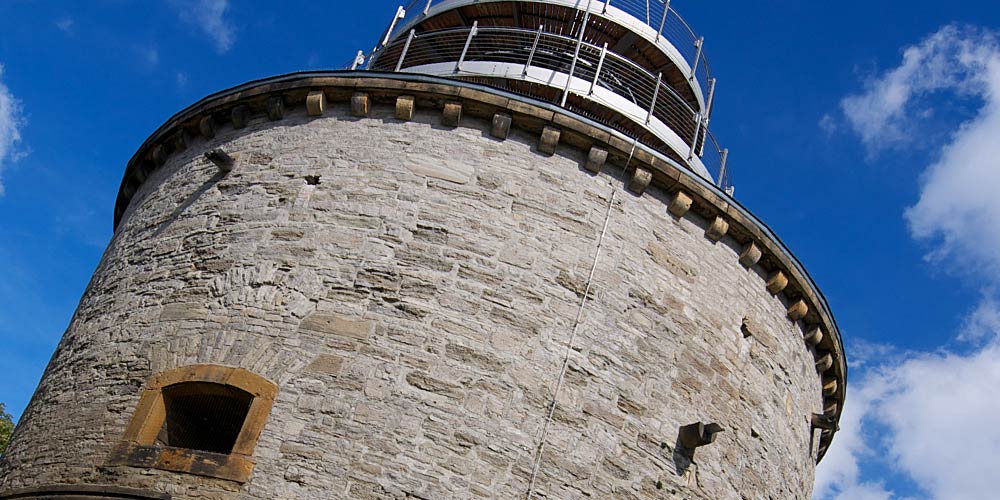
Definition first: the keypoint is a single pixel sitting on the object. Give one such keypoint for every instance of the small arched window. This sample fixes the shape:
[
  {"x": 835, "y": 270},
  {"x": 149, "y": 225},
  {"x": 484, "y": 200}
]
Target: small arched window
[{"x": 201, "y": 419}]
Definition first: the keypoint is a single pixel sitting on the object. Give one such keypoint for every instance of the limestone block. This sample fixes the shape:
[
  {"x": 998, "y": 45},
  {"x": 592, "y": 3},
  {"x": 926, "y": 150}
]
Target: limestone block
[
  {"x": 360, "y": 103},
  {"x": 326, "y": 323},
  {"x": 680, "y": 203},
  {"x": 824, "y": 362},
  {"x": 549, "y": 140},
  {"x": 316, "y": 103},
  {"x": 777, "y": 282},
  {"x": 181, "y": 140},
  {"x": 798, "y": 310},
  {"x": 750, "y": 255},
  {"x": 179, "y": 312},
  {"x": 501, "y": 125},
  {"x": 159, "y": 155},
  {"x": 830, "y": 407},
  {"x": 240, "y": 116},
  {"x": 640, "y": 180},
  {"x": 596, "y": 159},
  {"x": 275, "y": 108},
  {"x": 813, "y": 336},
  {"x": 452, "y": 114},
  {"x": 446, "y": 169},
  {"x": 829, "y": 386},
  {"x": 207, "y": 127},
  {"x": 718, "y": 229},
  {"x": 405, "y": 106},
  {"x": 327, "y": 364}
]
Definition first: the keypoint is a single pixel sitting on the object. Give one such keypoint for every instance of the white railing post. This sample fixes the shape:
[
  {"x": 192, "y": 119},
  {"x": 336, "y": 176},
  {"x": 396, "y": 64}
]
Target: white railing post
[
  {"x": 534, "y": 46},
  {"x": 663, "y": 20},
  {"x": 576, "y": 53},
  {"x": 400, "y": 13},
  {"x": 647, "y": 12},
  {"x": 711, "y": 99},
  {"x": 656, "y": 95},
  {"x": 607, "y": 3},
  {"x": 722, "y": 167},
  {"x": 406, "y": 48},
  {"x": 465, "y": 50},
  {"x": 600, "y": 65},
  {"x": 697, "y": 133},
  {"x": 427, "y": 7},
  {"x": 699, "y": 43},
  {"x": 359, "y": 59}
]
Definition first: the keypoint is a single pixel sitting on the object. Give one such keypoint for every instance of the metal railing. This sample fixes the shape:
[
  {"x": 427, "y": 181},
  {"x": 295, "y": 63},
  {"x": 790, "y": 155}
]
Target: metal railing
[
  {"x": 658, "y": 15},
  {"x": 534, "y": 56}
]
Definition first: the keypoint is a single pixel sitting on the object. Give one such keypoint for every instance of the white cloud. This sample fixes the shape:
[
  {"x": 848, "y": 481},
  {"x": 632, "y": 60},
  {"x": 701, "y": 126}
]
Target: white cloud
[
  {"x": 11, "y": 121},
  {"x": 953, "y": 59},
  {"x": 930, "y": 417},
  {"x": 65, "y": 25},
  {"x": 209, "y": 17}
]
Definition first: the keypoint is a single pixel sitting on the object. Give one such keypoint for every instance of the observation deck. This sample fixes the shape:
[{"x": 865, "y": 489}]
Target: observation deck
[{"x": 633, "y": 65}]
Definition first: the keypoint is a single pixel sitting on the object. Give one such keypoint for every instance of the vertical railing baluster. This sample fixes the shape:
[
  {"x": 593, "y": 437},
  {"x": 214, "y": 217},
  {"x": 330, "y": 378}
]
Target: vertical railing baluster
[
  {"x": 697, "y": 132},
  {"x": 699, "y": 43},
  {"x": 656, "y": 95},
  {"x": 534, "y": 46},
  {"x": 359, "y": 59},
  {"x": 600, "y": 66},
  {"x": 722, "y": 169},
  {"x": 663, "y": 20},
  {"x": 576, "y": 53},
  {"x": 647, "y": 12},
  {"x": 607, "y": 3},
  {"x": 406, "y": 48},
  {"x": 465, "y": 50},
  {"x": 400, "y": 13},
  {"x": 427, "y": 7},
  {"x": 711, "y": 99}
]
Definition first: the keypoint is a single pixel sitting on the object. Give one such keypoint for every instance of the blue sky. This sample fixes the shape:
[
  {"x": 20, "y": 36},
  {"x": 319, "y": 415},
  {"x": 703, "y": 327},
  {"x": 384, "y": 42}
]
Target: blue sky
[{"x": 867, "y": 136}]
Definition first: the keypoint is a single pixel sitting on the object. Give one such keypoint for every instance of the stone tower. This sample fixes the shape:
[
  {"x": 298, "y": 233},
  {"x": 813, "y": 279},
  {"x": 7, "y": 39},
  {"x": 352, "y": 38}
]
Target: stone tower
[{"x": 498, "y": 258}]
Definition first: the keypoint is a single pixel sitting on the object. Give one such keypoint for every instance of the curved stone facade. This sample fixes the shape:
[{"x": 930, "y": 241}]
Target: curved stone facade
[{"x": 413, "y": 291}]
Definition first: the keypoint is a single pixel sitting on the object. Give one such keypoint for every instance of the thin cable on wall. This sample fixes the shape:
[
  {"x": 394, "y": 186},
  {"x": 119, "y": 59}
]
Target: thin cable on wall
[{"x": 572, "y": 338}]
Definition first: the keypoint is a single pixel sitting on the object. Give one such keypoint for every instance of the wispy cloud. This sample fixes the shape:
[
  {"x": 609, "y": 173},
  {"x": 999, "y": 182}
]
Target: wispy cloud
[
  {"x": 210, "y": 17},
  {"x": 11, "y": 121},
  {"x": 65, "y": 25},
  {"x": 930, "y": 417}
]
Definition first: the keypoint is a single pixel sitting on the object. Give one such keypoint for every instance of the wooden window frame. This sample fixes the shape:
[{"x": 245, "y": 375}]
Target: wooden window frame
[{"x": 138, "y": 447}]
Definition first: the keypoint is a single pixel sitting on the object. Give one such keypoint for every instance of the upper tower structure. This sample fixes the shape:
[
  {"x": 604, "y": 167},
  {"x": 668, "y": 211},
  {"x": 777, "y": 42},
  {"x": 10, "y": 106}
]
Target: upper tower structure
[
  {"x": 498, "y": 258},
  {"x": 633, "y": 65}
]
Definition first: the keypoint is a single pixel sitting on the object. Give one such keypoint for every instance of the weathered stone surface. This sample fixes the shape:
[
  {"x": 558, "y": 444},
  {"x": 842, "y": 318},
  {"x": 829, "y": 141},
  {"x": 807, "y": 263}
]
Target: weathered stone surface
[
  {"x": 596, "y": 159},
  {"x": 718, "y": 229},
  {"x": 451, "y": 116},
  {"x": 360, "y": 104},
  {"x": 777, "y": 282},
  {"x": 316, "y": 103},
  {"x": 639, "y": 180},
  {"x": 336, "y": 325},
  {"x": 414, "y": 305},
  {"x": 750, "y": 255},
  {"x": 405, "y": 105},
  {"x": 679, "y": 204},
  {"x": 549, "y": 140},
  {"x": 500, "y": 127}
]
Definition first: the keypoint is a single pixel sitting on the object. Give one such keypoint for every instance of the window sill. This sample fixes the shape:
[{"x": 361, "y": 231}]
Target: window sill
[{"x": 232, "y": 467}]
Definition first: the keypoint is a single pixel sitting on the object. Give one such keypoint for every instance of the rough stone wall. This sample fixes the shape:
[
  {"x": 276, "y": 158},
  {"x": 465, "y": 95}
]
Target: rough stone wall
[{"x": 412, "y": 289}]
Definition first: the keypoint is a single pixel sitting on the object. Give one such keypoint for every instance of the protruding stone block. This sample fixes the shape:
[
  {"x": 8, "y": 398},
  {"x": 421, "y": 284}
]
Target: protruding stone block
[
  {"x": 158, "y": 155},
  {"x": 316, "y": 103},
  {"x": 501, "y": 125},
  {"x": 640, "y": 180},
  {"x": 207, "y": 127},
  {"x": 777, "y": 282},
  {"x": 830, "y": 407},
  {"x": 240, "y": 116},
  {"x": 181, "y": 140},
  {"x": 750, "y": 255},
  {"x": 221, "y": 159},
  {"x": 718, "y": 229},
  {"x": 405, "y": 105},
  {"x": 698, "y": 434},
  {"x": 830, "y": 386},
  {"x": 452, "y": 114},
  {"x": 680, "y": 203},
  {"x": 813, "y": 336},
  {"x": 823, "y": 422},
  {"x": 360, "y": 103},
  {"x": 798, "y": 310},
  {"x": 549, "y": 140},
  {"x": 275, "y": 108},
  {"x": 596, "y": 159},
  {"x": 824, "y": 362}
]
